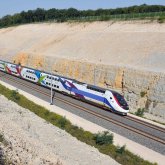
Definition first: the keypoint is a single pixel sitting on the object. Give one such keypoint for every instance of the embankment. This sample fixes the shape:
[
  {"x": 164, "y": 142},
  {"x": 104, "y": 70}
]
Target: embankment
[{"x": 127, "y": 56}]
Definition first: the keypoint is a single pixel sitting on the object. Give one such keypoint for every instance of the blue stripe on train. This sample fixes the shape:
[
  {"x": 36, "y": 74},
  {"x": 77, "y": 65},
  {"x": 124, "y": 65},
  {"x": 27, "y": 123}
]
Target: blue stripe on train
[
  {"x": 93, "y": 96},
  {"x": 87, "y": 94}
]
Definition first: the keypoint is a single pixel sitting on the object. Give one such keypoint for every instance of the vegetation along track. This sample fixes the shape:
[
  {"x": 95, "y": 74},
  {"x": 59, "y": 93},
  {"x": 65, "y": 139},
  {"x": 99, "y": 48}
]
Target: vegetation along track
[{"x": 117, "y": 122}]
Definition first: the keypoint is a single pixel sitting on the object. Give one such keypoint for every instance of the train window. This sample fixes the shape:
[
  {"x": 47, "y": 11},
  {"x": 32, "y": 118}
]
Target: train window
[{"x": 120, "y": 98}]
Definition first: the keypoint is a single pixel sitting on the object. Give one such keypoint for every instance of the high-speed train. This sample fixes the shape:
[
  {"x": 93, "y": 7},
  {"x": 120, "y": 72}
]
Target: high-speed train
[{"x": 103, "y": 97}]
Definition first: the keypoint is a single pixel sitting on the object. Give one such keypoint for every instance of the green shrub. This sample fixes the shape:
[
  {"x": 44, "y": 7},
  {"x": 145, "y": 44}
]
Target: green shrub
[
  {"x": 2, "y": 140},
  {"x": 103, "y": 138},
  {"x": 121, "y": 150},
  {"x": 161, "y": 19},
  {"x": 142, "y": 93},
  {"x": 62, "y": 122},
  {"x": 14, "y": 96},
  {"x": 140, "y": 112}
]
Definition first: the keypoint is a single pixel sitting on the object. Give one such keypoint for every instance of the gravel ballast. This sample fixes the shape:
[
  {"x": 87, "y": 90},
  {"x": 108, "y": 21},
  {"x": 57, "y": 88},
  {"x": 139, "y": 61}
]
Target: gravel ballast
[{"x": 31, "y": 140}]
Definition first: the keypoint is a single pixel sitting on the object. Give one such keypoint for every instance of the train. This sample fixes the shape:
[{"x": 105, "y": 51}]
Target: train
[{"x": 105, "y": 98}]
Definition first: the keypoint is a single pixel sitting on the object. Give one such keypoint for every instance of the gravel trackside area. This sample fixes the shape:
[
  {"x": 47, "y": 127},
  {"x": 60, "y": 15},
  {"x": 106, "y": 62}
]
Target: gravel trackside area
[{"x": 31, "y": 140}]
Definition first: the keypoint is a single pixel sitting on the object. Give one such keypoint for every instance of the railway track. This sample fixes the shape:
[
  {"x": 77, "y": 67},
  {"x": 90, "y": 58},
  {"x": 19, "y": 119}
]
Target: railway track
[
  {"x": 108, "y": 118},
  {"x": 145, "y": 123}
]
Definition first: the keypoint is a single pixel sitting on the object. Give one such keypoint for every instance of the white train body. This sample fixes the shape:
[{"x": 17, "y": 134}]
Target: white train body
[{"x": 106, "y": 98}]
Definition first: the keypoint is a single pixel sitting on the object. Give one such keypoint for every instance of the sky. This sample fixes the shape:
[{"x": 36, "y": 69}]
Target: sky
[{"x": 15, "y": 6}]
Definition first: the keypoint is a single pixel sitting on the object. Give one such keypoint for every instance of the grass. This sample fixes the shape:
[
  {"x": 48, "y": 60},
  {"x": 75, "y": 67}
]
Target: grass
[
  {"x": 161, "y": 19},
  {"x": 102, "y": 141},
  {"x": 159, "y": 16},
  {"x": 158, "y": 122}
]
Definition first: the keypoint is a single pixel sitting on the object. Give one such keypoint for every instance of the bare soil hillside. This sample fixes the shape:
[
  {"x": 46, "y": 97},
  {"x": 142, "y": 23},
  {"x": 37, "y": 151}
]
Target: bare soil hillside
[{"x": 137, "y": 44}]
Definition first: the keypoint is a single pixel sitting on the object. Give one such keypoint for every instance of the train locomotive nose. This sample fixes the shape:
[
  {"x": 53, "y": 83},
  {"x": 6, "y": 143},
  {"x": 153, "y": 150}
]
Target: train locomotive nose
[{"x": 125, "y": 107}]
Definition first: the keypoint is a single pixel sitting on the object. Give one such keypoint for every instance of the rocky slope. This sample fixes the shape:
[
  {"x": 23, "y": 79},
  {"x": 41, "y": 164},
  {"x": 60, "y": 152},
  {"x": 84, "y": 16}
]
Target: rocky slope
[
  {"x": 31, "y": 140},
  {"x": 127, "y": 56}
]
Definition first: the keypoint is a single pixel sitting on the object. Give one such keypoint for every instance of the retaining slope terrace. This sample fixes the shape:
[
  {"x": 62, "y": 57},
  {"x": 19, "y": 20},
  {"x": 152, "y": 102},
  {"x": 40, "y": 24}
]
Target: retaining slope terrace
[{"x": 127, "y": 56}]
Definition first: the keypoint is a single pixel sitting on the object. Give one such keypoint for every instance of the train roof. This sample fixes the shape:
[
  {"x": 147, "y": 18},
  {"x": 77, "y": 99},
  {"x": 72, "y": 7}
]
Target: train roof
[
  {"x": 96, "y": 88},
  {"x": 89, "y": 86}
]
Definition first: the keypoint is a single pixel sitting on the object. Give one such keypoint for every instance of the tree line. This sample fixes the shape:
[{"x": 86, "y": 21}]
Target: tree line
[{"x": 62, "y": 15}]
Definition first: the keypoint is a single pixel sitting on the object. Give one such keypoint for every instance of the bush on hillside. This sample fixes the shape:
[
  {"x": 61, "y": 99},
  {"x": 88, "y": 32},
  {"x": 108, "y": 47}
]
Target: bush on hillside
[
  {"x": 14, "y": 96},
  {"x": 121, "y": 149},
  {"x": 142, "y": 93},
  {"x": 140, "y": 112},
  {"x": 103, "y": 138}
]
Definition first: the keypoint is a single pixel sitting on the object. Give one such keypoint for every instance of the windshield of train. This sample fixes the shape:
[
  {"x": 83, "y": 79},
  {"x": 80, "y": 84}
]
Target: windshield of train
[{"x": 120, "y": 99}]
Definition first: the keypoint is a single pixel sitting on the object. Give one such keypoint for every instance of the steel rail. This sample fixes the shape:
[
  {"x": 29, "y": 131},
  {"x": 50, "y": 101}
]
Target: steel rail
[{"x": 145, "y": 123}]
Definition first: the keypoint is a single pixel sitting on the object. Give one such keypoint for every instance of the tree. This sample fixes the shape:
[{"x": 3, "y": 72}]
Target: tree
[{"x": 71, "y": 12}]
